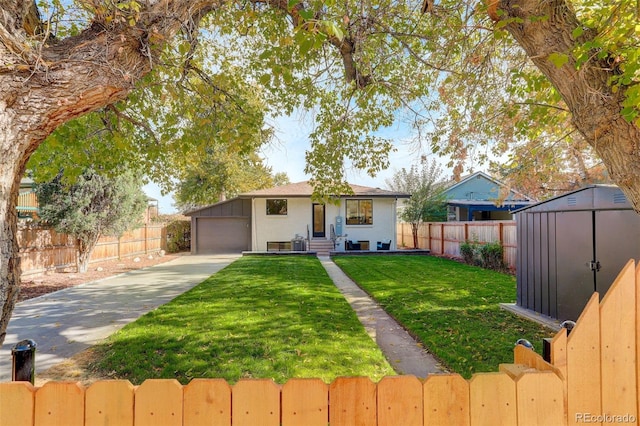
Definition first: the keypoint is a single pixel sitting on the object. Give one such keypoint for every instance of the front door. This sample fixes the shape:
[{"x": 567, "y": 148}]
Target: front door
[{"x": 318, "y": 220}]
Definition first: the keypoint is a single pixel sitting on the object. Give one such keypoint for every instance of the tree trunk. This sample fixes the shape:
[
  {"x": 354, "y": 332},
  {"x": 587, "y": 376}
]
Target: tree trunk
[
  {"x": 85, "y": 249},
  {"x": 594, "y": 106},
  {"x": 44, "y": 84},
  {"x": 414, "y": 232},
  {"x": 10, "y": 173}
]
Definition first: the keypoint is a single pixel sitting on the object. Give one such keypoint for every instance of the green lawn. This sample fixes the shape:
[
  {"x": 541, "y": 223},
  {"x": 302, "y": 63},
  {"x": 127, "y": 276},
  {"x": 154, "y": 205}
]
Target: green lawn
[
  {"x": 451, "y": 307},
  {"x": 265, "y": 317}
]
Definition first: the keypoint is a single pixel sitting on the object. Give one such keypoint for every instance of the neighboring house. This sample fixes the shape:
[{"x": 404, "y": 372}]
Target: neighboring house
[
  {"x": 286, "y": 218},
  {"x": 27, "y": 201},
  {"x": 481, "y": 197}
]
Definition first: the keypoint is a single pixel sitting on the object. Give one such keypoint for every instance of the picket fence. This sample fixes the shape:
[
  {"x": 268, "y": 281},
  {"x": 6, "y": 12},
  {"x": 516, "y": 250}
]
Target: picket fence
[
  {"x": 445, "y": 238},
  {"x": 592, "y": 378}
]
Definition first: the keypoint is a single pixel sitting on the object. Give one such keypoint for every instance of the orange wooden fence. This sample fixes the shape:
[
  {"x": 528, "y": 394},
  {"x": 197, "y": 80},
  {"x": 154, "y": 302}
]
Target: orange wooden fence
[
  {"x": 43, "y": 249},
  {"x": 446, "y": 237},
  {"x": 592, "y": 378}
]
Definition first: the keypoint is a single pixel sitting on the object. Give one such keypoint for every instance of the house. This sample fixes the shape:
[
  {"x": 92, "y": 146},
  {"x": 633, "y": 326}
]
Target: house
[
  {"x": 28, "y": 206},
  {"x": 286, "y": 218},
  {"x": 481, "y": 197},
  {"x": 27, "y": 200}
]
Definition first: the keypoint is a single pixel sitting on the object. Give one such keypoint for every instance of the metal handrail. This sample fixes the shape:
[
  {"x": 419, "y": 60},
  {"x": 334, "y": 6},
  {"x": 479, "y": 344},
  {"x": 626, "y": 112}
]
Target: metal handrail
[{"x": 332, "y": 233}]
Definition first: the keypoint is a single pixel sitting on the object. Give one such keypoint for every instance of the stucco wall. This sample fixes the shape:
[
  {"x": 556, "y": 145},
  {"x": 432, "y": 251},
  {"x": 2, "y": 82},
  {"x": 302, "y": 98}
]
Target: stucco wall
[
  {"x": 299, "y": 216},
  {"x": 383, "y": 227},
  {"x": 280, "y": 228}
]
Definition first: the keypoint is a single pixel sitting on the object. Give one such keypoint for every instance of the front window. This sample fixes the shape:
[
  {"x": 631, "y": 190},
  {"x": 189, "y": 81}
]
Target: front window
[
  {"x": 359, "y": 212},
  {"x": 276, "y": 207}
]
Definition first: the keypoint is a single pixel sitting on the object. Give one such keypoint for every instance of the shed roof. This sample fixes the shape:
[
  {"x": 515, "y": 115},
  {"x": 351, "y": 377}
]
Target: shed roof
[{"x": 591, "y": 197}]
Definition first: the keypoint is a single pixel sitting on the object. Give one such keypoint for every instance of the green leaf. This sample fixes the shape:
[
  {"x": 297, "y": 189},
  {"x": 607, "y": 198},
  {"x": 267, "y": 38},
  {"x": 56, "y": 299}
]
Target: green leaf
[
  {"x": 306, "y": 14},
  {"x": 332, "y": 30},
  {"x": 265, "y": 79},
  {"x": 577, "y": 32},
  {"x": 558, "y": 59}
]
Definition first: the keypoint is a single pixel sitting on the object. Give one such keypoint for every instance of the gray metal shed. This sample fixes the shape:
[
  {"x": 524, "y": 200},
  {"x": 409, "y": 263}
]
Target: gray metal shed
[{"x": 571, "y": 246}]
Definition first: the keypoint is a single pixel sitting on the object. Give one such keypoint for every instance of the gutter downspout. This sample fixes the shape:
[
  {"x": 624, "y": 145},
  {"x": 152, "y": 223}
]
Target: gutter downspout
[
  {"x": 254, "y": 227},
  {"x": 394, "y": 235}
]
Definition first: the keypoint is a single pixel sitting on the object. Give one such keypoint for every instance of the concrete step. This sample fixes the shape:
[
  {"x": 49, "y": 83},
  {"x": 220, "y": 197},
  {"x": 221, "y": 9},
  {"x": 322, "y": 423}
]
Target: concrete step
[{"x": 321, "y": 246}]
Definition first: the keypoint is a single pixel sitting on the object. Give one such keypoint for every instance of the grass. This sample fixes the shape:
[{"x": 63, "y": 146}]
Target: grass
[
  {"x": 272, "y": 317},
  {"x": 452, "y": 308}
]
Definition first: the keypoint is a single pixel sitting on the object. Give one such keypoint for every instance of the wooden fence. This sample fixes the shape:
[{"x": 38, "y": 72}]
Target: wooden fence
[
  {"x": 43, "y": 249},
  {"x": 592, "y": 378},
  {"x": 446, "y": 237}
]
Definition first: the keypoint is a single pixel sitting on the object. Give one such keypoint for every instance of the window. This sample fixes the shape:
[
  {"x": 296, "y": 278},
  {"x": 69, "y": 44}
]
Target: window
[
  {"x": 276, "y": 207},
  {"x": 359, "y": 212}
]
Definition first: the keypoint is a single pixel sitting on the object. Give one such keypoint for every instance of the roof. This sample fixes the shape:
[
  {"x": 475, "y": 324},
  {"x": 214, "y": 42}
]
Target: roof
[
  {"x": 589, "y": 197},
  {"x": 506, "y": 203},
  {"x": 304, "y": 189}
]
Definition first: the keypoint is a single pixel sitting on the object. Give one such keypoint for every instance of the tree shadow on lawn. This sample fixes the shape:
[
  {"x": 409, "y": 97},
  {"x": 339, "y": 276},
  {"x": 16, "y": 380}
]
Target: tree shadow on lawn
[{"x": 248, "y": 322}]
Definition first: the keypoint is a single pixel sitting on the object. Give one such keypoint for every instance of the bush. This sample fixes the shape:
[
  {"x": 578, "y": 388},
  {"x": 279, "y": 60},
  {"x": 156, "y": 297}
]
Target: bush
[
  {"x": 467, "y": 250},
  {"x": 488, "y": 256},
  {"x": 178, "y": 236},
  {"x": 492, "y": 255}
]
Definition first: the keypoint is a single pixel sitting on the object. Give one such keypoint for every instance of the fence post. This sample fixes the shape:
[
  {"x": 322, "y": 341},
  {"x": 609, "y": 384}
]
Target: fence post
[
  {"x": 442, "y": 238},
  {"x": 146, "y": 238},
  {"x": 501, "y": 240}
]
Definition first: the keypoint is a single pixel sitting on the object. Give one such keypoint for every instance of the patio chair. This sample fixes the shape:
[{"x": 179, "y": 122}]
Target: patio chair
[
  {"x": 383, "y": 245},
  {"x": 353, "y": 246}
]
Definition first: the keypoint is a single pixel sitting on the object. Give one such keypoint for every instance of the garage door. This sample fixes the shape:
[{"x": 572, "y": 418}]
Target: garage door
[{"x": 222, "y": 234}]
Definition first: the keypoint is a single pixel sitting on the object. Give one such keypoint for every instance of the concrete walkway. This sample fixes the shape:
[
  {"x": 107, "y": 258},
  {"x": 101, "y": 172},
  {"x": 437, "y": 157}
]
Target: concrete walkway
[
  {"x": 68, "y": 321},
  {"x": 403, "y": 352}
]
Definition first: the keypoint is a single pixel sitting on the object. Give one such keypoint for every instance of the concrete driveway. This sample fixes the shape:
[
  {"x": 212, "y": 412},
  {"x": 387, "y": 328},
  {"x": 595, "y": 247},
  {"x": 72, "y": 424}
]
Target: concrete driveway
[{"x": 68, "y": 321}]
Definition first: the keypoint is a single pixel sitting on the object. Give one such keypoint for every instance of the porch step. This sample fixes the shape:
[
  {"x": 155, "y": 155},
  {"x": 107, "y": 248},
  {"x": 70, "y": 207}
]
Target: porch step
[{"x": 321, "y": 246}]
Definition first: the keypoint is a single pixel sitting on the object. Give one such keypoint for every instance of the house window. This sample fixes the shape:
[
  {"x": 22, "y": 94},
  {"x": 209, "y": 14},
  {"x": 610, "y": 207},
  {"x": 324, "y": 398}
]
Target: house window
[
  {"x": 359, "y": 212},
  {"x": 276, "y": 207}
]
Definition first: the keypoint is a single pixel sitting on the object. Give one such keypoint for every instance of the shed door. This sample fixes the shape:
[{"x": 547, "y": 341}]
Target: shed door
[
  {"x": 222, "y": 234},
  {"x": 574, "y": 251},
  {"x": 617, "y": 241}
]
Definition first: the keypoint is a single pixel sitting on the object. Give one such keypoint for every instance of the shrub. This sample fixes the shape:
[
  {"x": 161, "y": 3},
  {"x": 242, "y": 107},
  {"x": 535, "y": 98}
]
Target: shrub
[
  {"x": 492, "y": 255},
  {"x": 467, "y": 250},
  {"x": 488, "y": 256},
  {"x": 178, "y": 236}
]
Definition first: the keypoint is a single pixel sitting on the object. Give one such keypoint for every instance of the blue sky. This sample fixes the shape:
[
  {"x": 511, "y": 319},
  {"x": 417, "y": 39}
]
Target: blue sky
[{"x": 287, "y": 152}]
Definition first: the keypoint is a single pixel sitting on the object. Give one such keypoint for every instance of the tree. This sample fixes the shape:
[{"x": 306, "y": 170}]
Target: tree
[
  {"x": 427, "y": 203},
  {"x": 548, "y": 78},
  {"x": 356, "y": 64},
  {"x": 219, "y": 175},
  {"x": 280, "y": 179},
  {"x": 91, "y": 207}
]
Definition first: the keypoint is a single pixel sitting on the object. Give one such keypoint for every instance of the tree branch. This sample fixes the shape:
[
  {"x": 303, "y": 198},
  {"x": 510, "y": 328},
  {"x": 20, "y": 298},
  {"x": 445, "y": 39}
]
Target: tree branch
[{"x": 133, "y": 121}]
